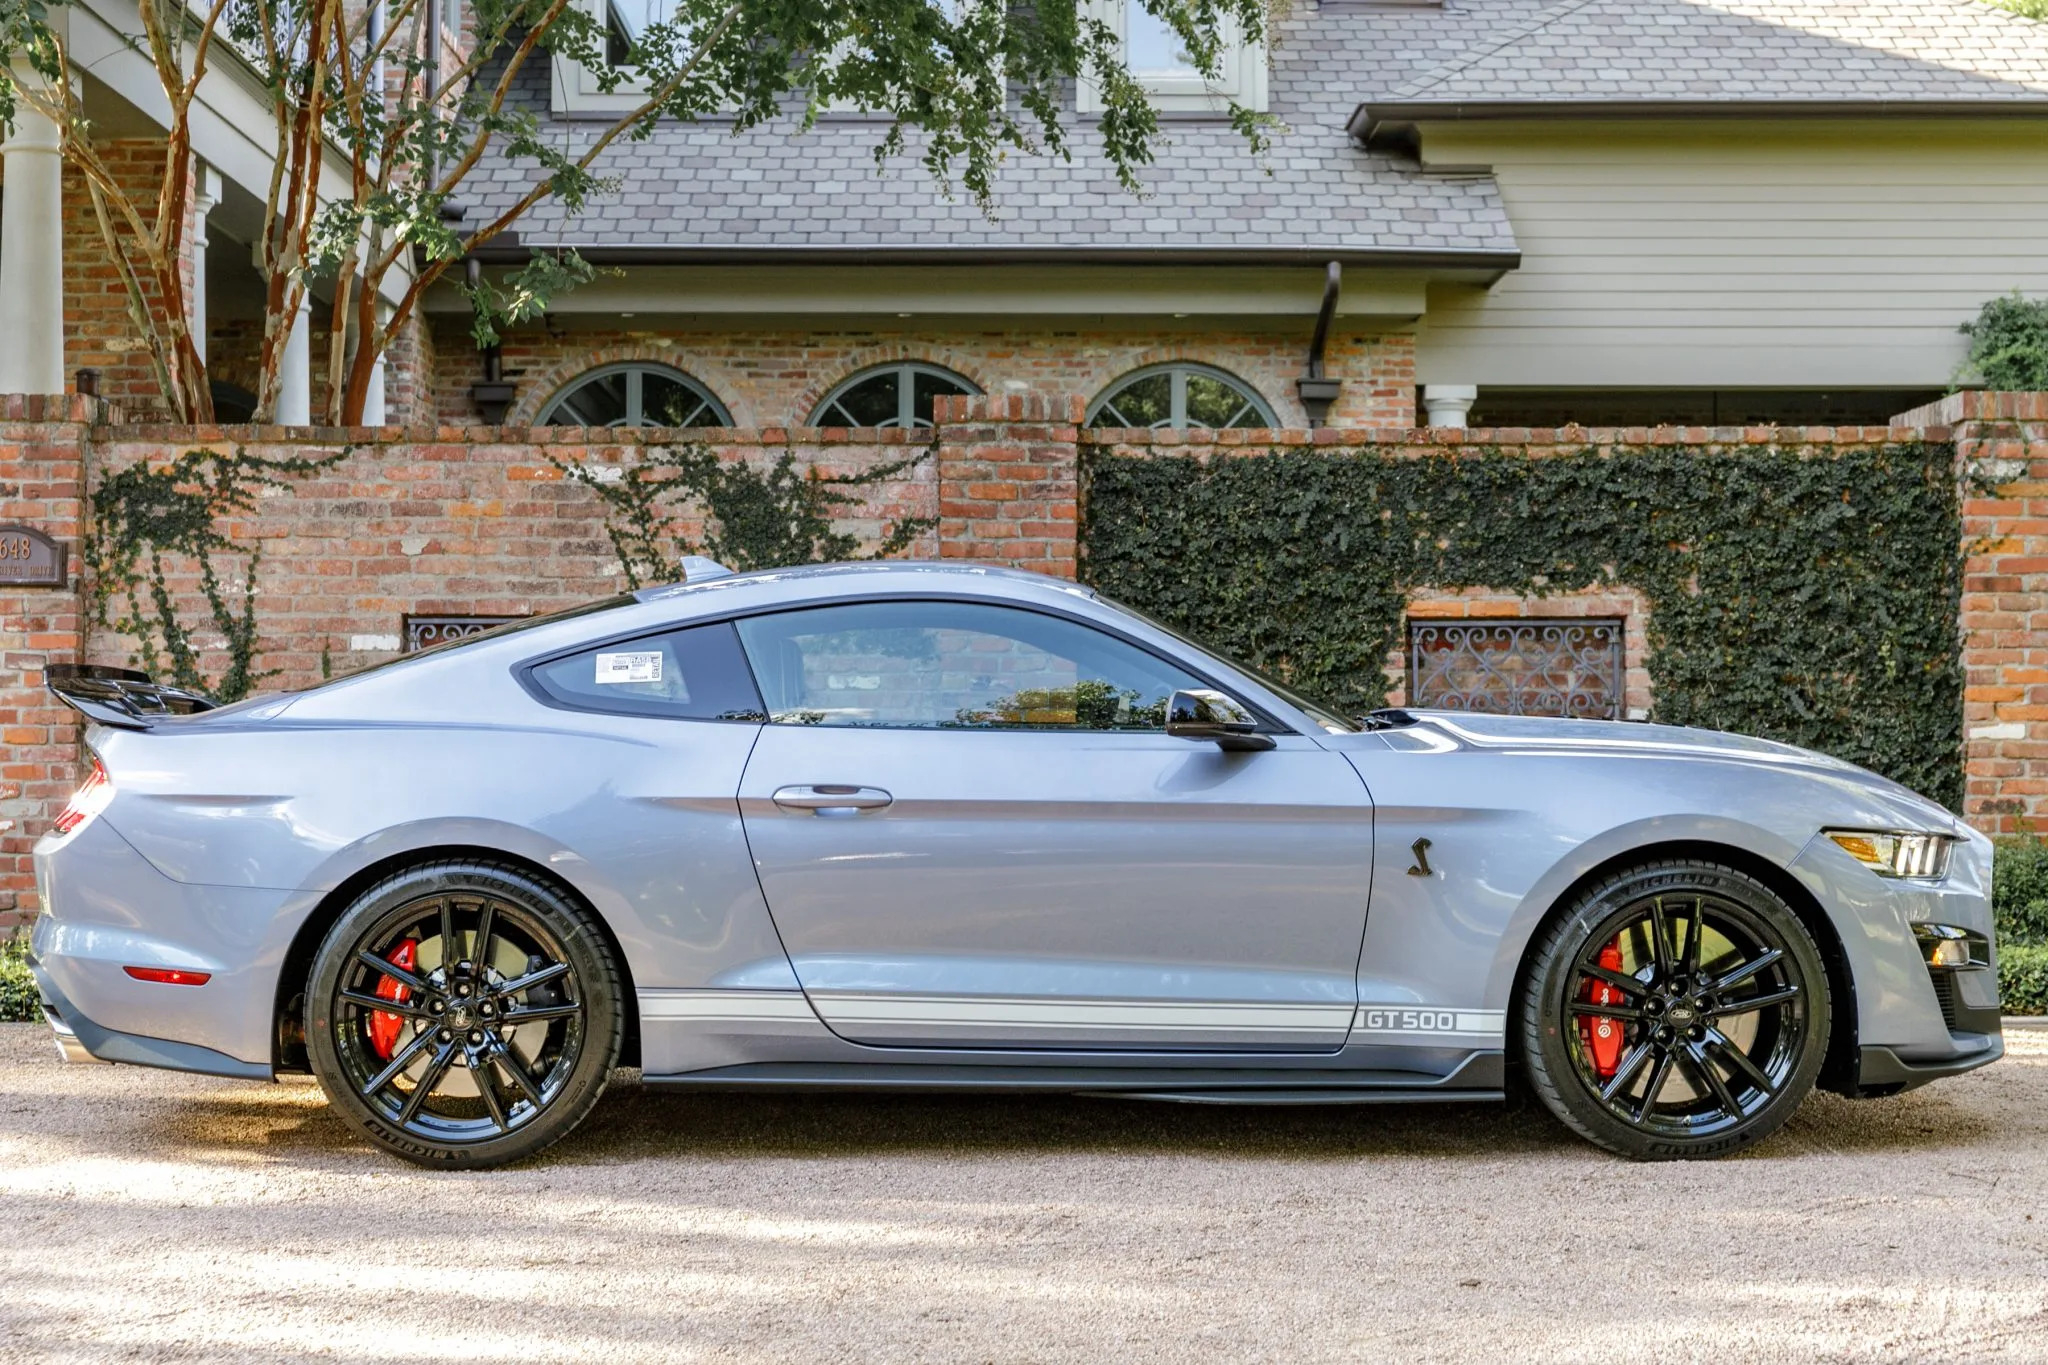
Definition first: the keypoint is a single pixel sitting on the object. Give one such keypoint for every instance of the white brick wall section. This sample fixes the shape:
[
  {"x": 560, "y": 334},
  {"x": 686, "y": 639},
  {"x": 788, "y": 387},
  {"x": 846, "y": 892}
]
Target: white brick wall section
[
  {"x": 363, "y": 643},
  {"x": 2011, "y": 729}
]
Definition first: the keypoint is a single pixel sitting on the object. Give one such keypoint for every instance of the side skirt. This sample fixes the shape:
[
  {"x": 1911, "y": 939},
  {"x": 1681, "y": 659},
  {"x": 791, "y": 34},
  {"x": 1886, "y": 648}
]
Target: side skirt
[{"x": 1479, "y": 1079}]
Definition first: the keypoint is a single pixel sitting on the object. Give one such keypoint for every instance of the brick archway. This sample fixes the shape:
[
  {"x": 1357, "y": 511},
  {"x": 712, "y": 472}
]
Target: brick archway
[
  {"x": 1229, "y": 362},
  {"x": 887, "y": 353},
  {"x": 540, "y": 389}
]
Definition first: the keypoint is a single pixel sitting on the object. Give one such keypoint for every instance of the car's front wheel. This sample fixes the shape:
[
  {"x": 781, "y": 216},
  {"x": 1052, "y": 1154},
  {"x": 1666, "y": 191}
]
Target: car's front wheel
[
  {"x": 1675, "y": 1010},
  {"x": 464, "y": 1013}
]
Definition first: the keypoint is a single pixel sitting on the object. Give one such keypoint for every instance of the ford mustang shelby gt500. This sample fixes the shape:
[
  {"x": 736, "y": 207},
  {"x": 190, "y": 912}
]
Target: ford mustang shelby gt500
[{"x": 927, "y": 826}]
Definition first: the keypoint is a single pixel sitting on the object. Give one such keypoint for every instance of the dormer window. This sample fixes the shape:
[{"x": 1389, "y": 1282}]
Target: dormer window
[
  {"x": 1153, "y": 52},
  {"x": 626, "y": 21},
  {"x": 576, "y": 87}
]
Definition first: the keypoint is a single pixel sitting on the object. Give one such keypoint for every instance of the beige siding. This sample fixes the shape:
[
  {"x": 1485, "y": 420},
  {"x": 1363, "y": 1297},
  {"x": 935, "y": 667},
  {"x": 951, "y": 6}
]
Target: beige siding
[{"x": 1727, "y": 254}]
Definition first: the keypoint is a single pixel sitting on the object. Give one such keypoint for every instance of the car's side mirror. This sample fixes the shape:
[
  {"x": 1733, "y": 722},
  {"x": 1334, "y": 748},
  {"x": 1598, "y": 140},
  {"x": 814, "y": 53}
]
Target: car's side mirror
[{"x": 1199, "y": 713}]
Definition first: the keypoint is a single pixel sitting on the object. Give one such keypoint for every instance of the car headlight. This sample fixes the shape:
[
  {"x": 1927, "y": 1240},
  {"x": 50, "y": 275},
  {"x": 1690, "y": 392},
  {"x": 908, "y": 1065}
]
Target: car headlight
[{"x": 1897, "y": 853}]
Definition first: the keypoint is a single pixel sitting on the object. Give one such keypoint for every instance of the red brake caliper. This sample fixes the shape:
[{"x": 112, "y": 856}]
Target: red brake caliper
[
  {"x": 1602, "y": 1036},
  {"x": 384, "y": 1027}
]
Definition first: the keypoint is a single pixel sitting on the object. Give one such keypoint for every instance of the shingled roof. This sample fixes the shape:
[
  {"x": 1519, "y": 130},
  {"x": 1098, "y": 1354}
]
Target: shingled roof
[
  {"x": 1816, "y": 56},
  {"x": 778, "y": 194},
  {"x": 775, "y": 193}
]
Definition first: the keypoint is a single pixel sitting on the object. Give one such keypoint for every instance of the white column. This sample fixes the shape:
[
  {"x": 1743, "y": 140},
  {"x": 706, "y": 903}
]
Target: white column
[
  {"x": 295, "y": 378},
  {"x": 373, "y": 395},
  {"x": 206, "y": 194},
  {"x": 1447, "y": 404},
  {"x": 31, "y": 254}
]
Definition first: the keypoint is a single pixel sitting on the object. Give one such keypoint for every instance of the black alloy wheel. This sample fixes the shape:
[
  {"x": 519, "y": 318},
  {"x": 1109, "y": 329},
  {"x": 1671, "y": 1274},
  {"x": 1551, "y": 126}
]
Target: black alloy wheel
[
  {"x": 464, "y": 1014},
  {"x": 1677, "y": 1010}
]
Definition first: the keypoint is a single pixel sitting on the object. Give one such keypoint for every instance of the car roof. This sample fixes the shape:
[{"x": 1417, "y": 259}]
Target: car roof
[{"x": 899, "y": 572}]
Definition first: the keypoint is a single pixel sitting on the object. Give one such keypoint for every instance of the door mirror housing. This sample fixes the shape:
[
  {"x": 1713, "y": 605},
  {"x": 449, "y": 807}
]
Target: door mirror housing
[{"x": 1209, "y": 716}]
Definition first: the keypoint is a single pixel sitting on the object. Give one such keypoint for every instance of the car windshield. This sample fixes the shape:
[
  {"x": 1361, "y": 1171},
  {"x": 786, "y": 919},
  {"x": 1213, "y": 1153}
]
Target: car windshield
[{"x": 1321, "y": 715}]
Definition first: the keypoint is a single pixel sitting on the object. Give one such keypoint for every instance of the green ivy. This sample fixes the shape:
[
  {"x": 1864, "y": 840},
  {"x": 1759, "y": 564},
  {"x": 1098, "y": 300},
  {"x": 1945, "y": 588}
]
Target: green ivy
[
  {"x": 142, "y": 516},
  {"x": 1801, "y": 595},
  {"x": 752, "y": 519}
]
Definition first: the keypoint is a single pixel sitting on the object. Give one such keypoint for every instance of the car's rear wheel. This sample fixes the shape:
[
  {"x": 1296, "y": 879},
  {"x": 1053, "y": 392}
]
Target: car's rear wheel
[
  {"x": 1675, "y": 1010},
  {"x": 464, "y": 1014}
]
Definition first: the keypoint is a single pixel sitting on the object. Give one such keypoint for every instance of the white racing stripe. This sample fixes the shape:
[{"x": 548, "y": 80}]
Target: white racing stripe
[
  {"x": 858, "y": 1011},
  {"x": 998, "y": 1013},
  {"x": 726, "y": 1007}
]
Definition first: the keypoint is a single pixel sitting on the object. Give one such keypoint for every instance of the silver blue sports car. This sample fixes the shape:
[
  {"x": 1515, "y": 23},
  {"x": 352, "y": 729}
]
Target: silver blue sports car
[{"x": 925, "y": 826}]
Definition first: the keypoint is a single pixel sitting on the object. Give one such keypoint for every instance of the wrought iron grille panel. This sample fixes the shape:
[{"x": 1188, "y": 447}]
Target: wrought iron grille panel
[
  {"x": 1532, "y": 667},
  {"x": 421, "y": 632}
]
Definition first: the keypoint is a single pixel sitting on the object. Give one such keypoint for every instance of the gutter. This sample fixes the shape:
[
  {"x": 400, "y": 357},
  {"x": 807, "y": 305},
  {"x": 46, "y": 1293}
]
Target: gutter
[
  {"x": 1371, "y": 119},
  {"x": 509, "y": 248}
]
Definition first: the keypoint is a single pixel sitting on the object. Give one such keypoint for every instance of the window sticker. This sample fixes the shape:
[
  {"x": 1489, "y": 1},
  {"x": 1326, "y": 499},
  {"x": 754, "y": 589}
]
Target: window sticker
[{"x": 629, "y": 668}]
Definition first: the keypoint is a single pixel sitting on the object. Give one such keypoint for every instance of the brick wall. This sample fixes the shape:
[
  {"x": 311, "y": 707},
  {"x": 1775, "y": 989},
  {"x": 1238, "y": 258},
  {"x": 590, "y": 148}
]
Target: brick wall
[
  {"x": 466, "y": 521},
  {"x": 442, "y": 524},
  {"x": 2002, "y": 453},
  {"x": 409, "y": 374},
  {"x": 776, "y": 378},
  {"x": 234, "y": 352},
  {"x": 1009, "y": 480},
  {"x": 42, "y": 450}
]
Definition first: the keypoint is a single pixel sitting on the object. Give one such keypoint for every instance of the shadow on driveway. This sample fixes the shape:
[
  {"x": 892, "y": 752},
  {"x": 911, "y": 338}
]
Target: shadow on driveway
[{"x": 632, "y": 1123}]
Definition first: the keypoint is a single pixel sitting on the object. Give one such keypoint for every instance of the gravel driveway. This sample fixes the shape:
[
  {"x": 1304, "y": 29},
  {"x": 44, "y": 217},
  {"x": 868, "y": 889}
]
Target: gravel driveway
[{"x": 151, "y": 1216}]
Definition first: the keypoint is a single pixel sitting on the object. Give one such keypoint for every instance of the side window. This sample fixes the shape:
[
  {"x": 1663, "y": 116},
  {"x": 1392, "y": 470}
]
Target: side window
[
  {"x": 696, "y": 673},
  {"x": 954, "y": 665}
]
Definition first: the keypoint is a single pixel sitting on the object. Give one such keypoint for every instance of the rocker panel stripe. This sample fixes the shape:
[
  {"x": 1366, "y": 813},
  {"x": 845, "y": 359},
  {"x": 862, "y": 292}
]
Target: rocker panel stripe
[
  {"x": 989, "y": 1014},
  {"x": 1093, "y": 1016},
  {"x": 726, "y": 1007}
]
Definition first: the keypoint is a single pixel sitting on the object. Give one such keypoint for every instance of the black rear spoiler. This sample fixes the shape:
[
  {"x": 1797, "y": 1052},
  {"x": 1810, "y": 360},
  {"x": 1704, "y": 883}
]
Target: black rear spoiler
[{"x": 121, "y": 697}]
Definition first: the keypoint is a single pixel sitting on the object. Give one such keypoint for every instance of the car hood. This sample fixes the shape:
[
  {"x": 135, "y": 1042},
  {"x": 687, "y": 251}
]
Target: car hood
[{"x": 1592, "y": 738}]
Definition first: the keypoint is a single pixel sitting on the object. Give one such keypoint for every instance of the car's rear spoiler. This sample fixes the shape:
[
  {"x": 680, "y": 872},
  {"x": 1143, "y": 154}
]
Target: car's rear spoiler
[{"x": 121, "y": 697}]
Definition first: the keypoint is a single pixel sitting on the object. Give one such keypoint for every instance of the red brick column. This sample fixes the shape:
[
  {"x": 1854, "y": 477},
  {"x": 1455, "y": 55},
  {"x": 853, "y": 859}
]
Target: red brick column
[
  {"x": 2001, "y": 442},
  {"x": 1009, "y": 480},
  {"x": 99, "y": 326},
  {"x": 42, "y": 484}
]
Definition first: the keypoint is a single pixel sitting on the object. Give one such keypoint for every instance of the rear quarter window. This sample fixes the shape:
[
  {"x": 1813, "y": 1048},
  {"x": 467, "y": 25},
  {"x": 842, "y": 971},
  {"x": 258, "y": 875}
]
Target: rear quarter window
[{"x": 697, "y": 673}]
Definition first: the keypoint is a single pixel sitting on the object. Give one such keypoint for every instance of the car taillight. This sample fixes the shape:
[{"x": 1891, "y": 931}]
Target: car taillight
[{"x": 89, "y": 800}]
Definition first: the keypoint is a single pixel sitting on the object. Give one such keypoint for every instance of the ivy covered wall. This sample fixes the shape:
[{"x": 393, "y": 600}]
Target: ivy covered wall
[{"x": 1806, "y": 592}]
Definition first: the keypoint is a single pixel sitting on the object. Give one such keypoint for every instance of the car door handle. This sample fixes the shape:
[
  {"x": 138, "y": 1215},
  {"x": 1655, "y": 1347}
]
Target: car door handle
[{"x": 831, "y": 798}]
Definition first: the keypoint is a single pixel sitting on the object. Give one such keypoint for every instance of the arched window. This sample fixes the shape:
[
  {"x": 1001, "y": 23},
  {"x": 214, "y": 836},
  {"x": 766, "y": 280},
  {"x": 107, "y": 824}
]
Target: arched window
[
  {"x": 896, "y": 395},
  {"x": 635, "y": 394},
  {"x": 1181, "y": 394}
]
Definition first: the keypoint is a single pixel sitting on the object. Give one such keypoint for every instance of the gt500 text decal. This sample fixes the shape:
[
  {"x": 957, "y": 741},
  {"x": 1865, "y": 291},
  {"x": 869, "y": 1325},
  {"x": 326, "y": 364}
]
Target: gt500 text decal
[{"x": 1412, "y": 1021}]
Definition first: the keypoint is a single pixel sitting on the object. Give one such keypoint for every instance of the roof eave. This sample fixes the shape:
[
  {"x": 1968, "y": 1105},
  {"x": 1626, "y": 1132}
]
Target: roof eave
[
  {"x": 509, "y": 248},
  {"x": 1372, "y": 119}
]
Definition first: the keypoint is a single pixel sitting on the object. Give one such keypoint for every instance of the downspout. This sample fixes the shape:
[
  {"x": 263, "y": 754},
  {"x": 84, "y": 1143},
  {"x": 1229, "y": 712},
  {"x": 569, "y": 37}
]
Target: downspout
[
  {"x": 492, "y": 396},
  {"x": 1317, "y": 390}
]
